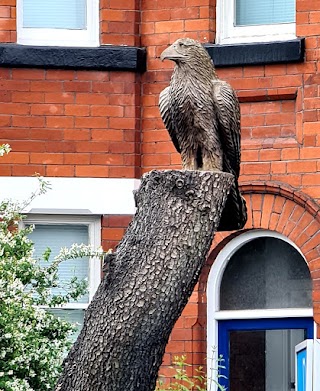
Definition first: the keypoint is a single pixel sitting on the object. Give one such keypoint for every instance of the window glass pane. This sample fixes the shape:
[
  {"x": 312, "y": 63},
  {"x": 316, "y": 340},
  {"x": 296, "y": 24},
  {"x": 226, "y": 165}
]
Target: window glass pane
[
  {"x": 73, "y": 316},
  {"x": 255, "y": 12},
  {"x": 55, "y": 237},
  {"x": 56, "y": 14},
  {"x": 263, "y": 360},
  {"x": 266, "y": 273}
]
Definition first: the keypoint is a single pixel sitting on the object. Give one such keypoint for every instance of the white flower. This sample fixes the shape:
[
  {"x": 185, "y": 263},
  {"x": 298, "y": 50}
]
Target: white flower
[{"x": 4, "y": 148}]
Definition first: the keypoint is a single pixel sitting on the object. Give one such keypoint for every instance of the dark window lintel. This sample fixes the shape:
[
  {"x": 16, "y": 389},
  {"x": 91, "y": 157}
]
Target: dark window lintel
[
  {"x": 120, "y": 58},
  {"x": 257, "y": 53}
]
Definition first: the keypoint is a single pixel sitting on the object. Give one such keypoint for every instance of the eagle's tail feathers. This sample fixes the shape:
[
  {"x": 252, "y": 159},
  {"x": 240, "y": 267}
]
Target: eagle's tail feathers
[{"x": 234, "y": 215}]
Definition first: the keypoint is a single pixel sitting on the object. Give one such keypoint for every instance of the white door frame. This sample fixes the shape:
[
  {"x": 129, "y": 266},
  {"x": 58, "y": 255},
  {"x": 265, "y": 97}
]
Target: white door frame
[{"x": 213, "y": 296}]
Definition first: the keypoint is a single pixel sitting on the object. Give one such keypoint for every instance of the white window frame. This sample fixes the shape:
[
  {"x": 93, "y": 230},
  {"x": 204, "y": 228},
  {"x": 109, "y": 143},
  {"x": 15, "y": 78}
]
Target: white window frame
[
  {"x": 60, "y": 37},
  {"x": 94, "y": 238},
  {"x": 227, "y": 33},
  {"x": 214, "y": 314}
]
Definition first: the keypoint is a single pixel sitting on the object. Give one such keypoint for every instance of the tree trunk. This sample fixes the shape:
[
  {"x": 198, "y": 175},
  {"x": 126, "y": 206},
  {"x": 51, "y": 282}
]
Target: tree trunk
[{"x": 148, "y": 282}]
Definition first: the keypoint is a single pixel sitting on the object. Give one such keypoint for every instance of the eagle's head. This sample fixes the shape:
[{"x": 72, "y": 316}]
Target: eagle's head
[
  {"x": 190, "y": 58},
  {"x": 183, "y": 50}
]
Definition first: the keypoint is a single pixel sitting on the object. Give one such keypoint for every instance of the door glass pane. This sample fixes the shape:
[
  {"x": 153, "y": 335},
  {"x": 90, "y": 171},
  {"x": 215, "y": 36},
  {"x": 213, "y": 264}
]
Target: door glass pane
[
  {"x": 266, "y": 273},
  {"x": 56, "y": 237},
  {"x": 253, "y": 12},
  {"x": 263, "y": 360},
  {"x": 55, "y": 14}
]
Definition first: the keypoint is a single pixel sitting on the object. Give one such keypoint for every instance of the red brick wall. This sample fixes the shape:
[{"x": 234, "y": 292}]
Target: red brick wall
[
  {"x": 96, "y": 112},
  {"x": 73, "y": 123},
  {"x": 8, "y": 21},
  {"x": 113, "y": 229},
  {"x": 107, "y": 124},
  {"x": 70, "y": 123},
  {"x": 120, "y": 22}
]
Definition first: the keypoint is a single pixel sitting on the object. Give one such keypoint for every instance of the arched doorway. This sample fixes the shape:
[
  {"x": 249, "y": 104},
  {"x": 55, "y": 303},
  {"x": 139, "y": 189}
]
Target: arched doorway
[{"x": 259, "y": 308}]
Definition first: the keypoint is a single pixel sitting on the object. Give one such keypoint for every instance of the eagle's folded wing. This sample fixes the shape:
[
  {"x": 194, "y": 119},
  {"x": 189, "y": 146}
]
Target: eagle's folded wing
[
  {"x": 164, "y": 105},
  {"x": 228, "y": 116}
]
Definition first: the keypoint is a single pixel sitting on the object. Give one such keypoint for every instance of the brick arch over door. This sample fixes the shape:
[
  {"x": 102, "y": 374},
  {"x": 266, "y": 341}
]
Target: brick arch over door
[{"x": 280, "y": 208}]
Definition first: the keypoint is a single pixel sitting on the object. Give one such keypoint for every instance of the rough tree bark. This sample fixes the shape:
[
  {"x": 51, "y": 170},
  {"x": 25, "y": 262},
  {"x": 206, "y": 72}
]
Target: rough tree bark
[{"x": 147, "y": 283}]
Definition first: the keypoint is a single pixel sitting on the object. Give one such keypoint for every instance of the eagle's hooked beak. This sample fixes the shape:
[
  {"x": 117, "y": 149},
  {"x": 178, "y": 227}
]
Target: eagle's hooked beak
[{"x": 170, "y": 53}]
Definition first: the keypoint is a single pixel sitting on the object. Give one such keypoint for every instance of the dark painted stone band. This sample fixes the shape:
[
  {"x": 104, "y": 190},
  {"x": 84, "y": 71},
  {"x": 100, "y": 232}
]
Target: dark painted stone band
[
  {"x": 130, "y": 58},
  {"x": 257, "y": 53},
  {"x": 121, "y": 58}
]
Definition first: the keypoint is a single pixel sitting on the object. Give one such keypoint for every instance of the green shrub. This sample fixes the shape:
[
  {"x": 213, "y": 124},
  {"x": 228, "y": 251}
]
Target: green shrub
[
  {"x": 183, "y": 382},
  {"x": 32, "y": 340}
]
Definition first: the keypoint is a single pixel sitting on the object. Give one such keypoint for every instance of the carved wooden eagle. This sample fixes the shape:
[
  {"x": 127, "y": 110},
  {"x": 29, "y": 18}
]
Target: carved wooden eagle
[{"x": 202, "y": 116}]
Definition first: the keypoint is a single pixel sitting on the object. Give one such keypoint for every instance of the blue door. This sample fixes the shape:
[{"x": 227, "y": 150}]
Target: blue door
[{"x": 259, "y": 354}]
